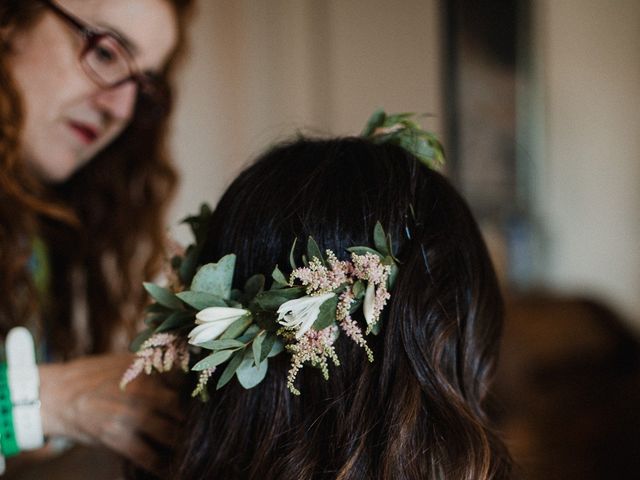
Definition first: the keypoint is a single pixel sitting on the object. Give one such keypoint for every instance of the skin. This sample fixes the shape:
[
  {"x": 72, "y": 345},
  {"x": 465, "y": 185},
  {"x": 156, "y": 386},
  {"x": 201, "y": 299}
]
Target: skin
[
  {"x": 81, "y": 399},
  {"x": 56, "y": 92}
]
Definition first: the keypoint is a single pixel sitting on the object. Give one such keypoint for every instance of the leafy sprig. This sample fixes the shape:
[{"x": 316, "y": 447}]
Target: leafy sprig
[{"x": 400, "y": 129}]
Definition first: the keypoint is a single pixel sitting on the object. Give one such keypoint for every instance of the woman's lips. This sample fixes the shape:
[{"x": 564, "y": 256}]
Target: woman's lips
[{"x": 85, "y": 132}]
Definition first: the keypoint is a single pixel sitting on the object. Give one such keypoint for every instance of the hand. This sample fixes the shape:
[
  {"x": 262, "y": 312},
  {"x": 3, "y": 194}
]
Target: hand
[{"x": 82, "y": 400}]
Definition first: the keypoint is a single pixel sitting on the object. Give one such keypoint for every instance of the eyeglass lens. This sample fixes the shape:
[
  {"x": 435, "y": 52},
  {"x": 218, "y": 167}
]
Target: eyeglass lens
[{"x": 106, "y": 60}]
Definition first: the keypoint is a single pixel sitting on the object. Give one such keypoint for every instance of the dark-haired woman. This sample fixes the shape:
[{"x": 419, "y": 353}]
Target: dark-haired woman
[
  {"x": 416, "y": 411},
  {"x": 84, "y": 184}
]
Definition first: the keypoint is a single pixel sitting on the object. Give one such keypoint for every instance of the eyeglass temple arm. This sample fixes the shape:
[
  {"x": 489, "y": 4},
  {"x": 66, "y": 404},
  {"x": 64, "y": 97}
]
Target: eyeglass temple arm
[{"x": 66, "y": 16}]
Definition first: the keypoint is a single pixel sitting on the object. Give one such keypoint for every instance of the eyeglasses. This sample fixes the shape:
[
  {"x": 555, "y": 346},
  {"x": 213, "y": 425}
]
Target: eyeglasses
[{"x": 105, "y": 58}]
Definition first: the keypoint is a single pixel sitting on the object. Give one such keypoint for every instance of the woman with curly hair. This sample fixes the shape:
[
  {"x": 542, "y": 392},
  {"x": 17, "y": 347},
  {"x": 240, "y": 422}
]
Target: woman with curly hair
[{"x": 85, "y": 179}]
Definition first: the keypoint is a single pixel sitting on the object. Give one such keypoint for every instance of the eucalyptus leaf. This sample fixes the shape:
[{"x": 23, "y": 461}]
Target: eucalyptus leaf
[
  {"x": 393, "y": 276},
  {"x": 375, "y": 328},
  {"x": 327, "y": 315},
  {"x": 189, "y": 265},
  {"x": 215, "y": 278},
  {"x": 155, "y": 319},
  {"x": 201, "y": 300},
  {"x": 213, "y": 360},
  {"x": 221, "y": 344},
  {"x": 175, "y": 321},
  {"x": 256, "y": 346},
  {"x": 237, "y": 328},
  {"x": 249, "y": 334},
  {"x": 279, "y": 277},
  {"x": 157, "y": 308},
  {"x": 249, "y": 375},
  {"x": 358, "y": 289},
  {"x": 253, "y": 286},
  {"x": 140, "y": 339},
  {"x": 292, "y": 254},
  {"x": 267, "y": 345},
  {"x": 355, "y": 306},
  {"x": 272, "y": 299},
  {"x": 376, "y": 120},
  {"x": 232, "y": 366},
  {"x": 313, "y": 251},
  {"x": 163, "y": 296},
  {"x": 277, "y": 348},
  {"x": 380, "y": 240}
]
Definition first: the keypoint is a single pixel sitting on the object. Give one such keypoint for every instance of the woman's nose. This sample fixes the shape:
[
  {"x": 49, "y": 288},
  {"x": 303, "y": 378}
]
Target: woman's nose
[{"x": 117, "y": 102}]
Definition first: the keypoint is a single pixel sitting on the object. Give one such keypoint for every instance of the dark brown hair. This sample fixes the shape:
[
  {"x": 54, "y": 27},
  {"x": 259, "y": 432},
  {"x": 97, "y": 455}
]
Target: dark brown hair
[
  {"x": 416, "y": 412},
  {"x": 104, "y": 226}
]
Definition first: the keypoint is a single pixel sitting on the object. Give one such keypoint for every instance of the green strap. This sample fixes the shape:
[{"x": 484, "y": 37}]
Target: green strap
[{"x": 8, "y": 441}]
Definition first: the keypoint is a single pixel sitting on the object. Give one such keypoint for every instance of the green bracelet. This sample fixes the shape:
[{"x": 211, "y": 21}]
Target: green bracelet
[{"x": 8, "y": 441}]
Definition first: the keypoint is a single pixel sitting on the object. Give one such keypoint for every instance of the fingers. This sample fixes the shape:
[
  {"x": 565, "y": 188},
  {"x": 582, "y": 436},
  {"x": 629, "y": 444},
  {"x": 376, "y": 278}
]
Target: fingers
[
  {"x": 138, "y": 434},
  {"x": 133, "y": 446},
  {"x": 162, "y": 399}
]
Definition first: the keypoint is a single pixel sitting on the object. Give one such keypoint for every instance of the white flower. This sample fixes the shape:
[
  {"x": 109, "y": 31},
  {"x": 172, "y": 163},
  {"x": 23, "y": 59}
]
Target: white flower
[
  {"x": 301, "y": 313},
  {"x": 212, "y": 322},
  {"x": 368, "y": 304}
]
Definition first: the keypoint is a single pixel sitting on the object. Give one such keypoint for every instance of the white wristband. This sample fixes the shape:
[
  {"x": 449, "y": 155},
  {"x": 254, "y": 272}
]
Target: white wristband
[{"x": 24, "y": 384}]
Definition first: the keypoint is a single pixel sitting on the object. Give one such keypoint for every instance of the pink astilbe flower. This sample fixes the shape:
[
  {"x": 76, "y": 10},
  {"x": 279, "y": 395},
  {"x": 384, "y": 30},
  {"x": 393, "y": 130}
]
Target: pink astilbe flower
[
  {"x": 369, "y": 268},
  {"x": 314, "y": 347},
  {"x": 319, "y": 279},
  {"x": 203, "y": 379},
  {"x": 160, "y": 352},
  {"x": 348, "y": 324}
]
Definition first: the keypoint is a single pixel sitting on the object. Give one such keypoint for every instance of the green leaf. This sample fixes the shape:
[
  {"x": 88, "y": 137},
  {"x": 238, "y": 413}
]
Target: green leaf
[
  {"x": 157, "y": 308},
  {"x": 256, "y": 346},
  {"x": 327, "y": 315},
  {"x": 375, "y": 328},
  {"x": 189, "y": 264},
  {"x": 155, "y": 319},
  {"x": 221, "y": 344},
  {"x": 249, "y": 334},
  {"x": 380, "y": 239},
  {"x": 364, "y": 251},
  {"x": 279, "y": 277},
  {"x": 278, "y": 347},
  {"x": 314, "y": 251},
  {"x": 272, "y": 299},
  {"x": 201, "y": 300},
  {"x": 376, "y": 120},
  {"x": 237, "y": 328},
  {"x": 292, "y": 253},
  {"x": 355, "y": 306},
  {"x": 213, "y": 360},
  {"x": 358, "y": 289},
  {"x": 267, "y": 345},
  {"x": 249, "y": 375},
  {"x": 232, "y": 366},
  {"x": 253, "y": 286},
  {"x": 175, "y": 321},
  {"x": 393, "y": 275},
  {"x": 140, "y": 339},
  {"x": 163, "y": 296},
  {"x": 215, "y": 278}
]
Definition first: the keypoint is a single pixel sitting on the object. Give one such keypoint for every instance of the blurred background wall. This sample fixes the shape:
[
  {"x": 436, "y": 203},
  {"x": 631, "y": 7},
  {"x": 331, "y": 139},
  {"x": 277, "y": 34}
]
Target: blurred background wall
[{"x": 260, "y": 70}]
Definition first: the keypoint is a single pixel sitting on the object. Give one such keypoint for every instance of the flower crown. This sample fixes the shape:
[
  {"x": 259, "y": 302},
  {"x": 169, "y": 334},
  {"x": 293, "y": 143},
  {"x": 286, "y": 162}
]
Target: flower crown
[{"x": 200, "y": 323}]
